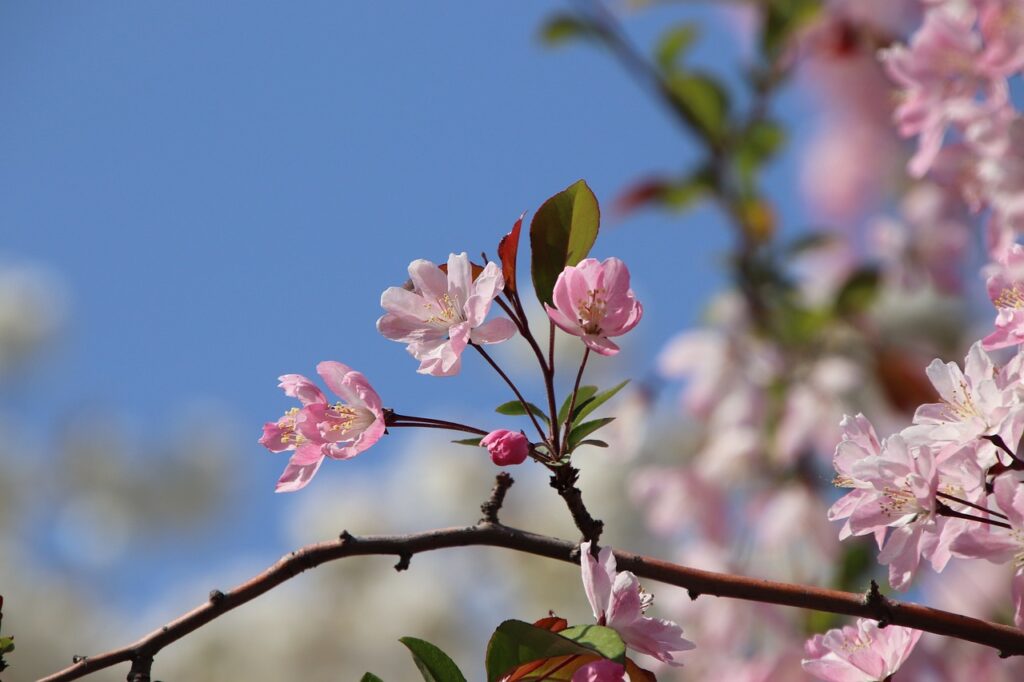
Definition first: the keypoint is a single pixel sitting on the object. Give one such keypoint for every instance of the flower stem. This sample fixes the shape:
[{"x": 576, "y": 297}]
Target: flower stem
[
  {"x": 998, "y": 441},
  {"x": 522, "y": 400},
  {"x": 943, "y": 510},
  {"x": 971, "y": 504},
  {"x": 572, "y": 400},
  {"x": 399, "y": 420}
]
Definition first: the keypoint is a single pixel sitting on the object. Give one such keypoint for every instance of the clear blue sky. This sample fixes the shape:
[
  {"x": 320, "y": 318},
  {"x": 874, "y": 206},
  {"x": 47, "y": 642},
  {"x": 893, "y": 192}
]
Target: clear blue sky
[{"x": 226, "y": 188}]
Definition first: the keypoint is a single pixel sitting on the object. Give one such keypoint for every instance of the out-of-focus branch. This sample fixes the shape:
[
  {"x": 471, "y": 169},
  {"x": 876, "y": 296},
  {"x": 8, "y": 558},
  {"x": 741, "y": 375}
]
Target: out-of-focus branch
[{"x": 1009, "y": 641}]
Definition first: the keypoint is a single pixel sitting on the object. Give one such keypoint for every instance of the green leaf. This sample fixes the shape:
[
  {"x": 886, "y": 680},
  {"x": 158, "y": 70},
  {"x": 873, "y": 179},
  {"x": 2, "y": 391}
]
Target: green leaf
[
  {"x": 583, "y": 395},
  {"x": 563, "y": 28},
  {"x": 759, "y": 142},
  {"x": 370, "y": 677},
  {"x": 514, "y": 408},
  {"x": 561, "y": 233},
  {"x": 595, "y": 442},
  {"x": 783, "y": 18},
  {"x": 515, "y": 643},
  {"x": 810, "y": 242},
  {"x": 674, "y": 43},
  {"x": 6, "y": 644},
  {"x": 702, "y": 100},
  {"x": 434, "y": 664},
  {"x": 469, "y": 441},
  {"x": 597, "y": 401},
  {"x": 858, "y": 292},
  {"x": 578, "y": 434},
  {"x": 603, "y": 640}
]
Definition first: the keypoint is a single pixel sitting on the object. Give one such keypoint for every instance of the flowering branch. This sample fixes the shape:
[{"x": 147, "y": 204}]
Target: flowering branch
[{"x": 1009, "y": 641}]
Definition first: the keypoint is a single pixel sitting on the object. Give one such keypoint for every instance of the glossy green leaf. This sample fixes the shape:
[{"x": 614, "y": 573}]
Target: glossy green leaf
[
  {"x": 674, "y": 43},
  {"x": 597, "y": 401},
  {"x": 583, "y": 395},
  {"x": 370, "y": 677},
  {"x": 514, "y": 408},
  {"x": 579, "y": 433},
  {"x": 469, "y": 441},
  {"x": 603, "y": 640},
  {"x": 515, "y": 643},
  {"x": 434, "y": 664},
  {"x": 561, "y": 233},
  {"x": 593, "y": 441},
  {"x": 703, "y": 101},
  {"x": 560, "y": 29}
]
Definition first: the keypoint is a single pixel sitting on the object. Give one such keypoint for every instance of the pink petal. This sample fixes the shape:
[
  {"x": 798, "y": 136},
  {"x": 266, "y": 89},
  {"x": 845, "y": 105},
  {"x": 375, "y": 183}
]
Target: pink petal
[
  {"x": 494, "y": 331},
  {"x": 600, "y": 344},
  {"x": 460, "y": 278},
  {"x": 428, "y": 279},
  {"x": 297, "y": 476}
]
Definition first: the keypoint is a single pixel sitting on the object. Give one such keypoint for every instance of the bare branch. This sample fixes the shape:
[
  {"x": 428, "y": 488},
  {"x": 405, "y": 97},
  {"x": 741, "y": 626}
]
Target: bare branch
[{"x": 1009, "y": 641}]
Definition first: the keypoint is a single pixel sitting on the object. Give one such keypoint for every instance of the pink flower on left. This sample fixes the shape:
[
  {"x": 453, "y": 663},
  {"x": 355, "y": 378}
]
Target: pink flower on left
[
  {"x": 319, "y": 429},
  {"x": 444, "y": 313},
  {"x": 618, "y": 602},
  {"x": 866, "y": 653}
]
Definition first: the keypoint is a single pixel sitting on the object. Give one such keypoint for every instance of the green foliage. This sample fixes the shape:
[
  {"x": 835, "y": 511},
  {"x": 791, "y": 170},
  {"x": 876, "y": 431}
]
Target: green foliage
[
  {"x": 561, "y": 29},
  {"x": 6, "y": 643},
  {"x": 591, "y": 404},
  {"x": 469, "y": 441},
  {"x": 584, "y": 394},
  {"x": 514, "y": 408},
  {"x": 561, "y": 233},
  {"x": 755, "y": 147},
  {"x": 434, "y": 664},
  {"x": 783, "y": 18},
  {"x": 554, "y": 656},
  {"x": 674, "y": 44},
  {"x": 579, "y": 433},
  {"x": 370, "y": 677},
  {"x": 703, "y": 101},
  {"x": 858, "y": 292}
]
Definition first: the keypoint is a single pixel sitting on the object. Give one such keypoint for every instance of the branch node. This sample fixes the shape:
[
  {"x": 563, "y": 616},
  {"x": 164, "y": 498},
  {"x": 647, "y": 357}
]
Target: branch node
[
  {"x": 1005, "y": 654},
  {"x": 403, "y": 561},
  {"x": 874, "y": 599},
  {"x": 78, "y": 658},
  {"x": 142, "y": 665},
  {"x": 216, "y": 596},
  {"x": 490, "y": 508},
  {"x": 345, "y": 536},
  {"x": 564, "y": 481},
  {"x": 693, "y": 594}
]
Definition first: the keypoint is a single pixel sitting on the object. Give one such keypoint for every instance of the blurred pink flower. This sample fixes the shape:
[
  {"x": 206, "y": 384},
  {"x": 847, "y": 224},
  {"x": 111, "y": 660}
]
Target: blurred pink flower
[
  {"x": 1006, "y": 289},
  {"x": 866, "y": 653},
  {"x": 618, "y": 602},
  {"x": 506, "y": 447},
  {"x": 319, "y": 429},
  {"x": 444, "y": 313},
  {"x": 593, "y": 301}
]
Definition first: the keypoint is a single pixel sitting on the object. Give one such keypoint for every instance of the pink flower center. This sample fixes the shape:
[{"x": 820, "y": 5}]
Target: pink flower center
[
  {"x": 1011, "y": 297},
  {"x": 443, "y": 312},
  {"x": 342, "y": 422},
  {"x": 591, "y": 310},
  {"x": 287, "y": 426}
]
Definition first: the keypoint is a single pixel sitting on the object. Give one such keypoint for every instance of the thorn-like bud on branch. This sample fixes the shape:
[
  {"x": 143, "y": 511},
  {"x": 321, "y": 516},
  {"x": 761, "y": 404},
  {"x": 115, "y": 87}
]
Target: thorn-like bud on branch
[
  {"x": 78, "y": 658},
  {"x": 216, "y": 596},
  {"x": 345, "y": 536},
  {"x": 693, "y": 594},
  {"x": 403, "y": 561},
  {"x": 877, "y": 601}
]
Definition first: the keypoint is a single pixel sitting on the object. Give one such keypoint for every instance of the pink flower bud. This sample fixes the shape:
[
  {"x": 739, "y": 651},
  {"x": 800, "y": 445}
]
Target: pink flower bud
[{"x": 506, "y": 447}]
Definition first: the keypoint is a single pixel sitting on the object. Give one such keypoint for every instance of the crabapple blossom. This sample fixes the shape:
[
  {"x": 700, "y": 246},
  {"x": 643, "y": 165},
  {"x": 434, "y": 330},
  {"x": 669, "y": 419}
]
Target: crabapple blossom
[
  {"x": 619, "y": 602},
  {"x": 998, "y": 544},
  {"x": 506, "y": 447},
  {"x": 593, "y": 300},
  {"x": 974, "y": 405},
  {"x": 444, "y": 312},
  {"x": 865, "y": 653},
  {"x": 1006, "y": 289},
  {"x": 319, "y": 429}
]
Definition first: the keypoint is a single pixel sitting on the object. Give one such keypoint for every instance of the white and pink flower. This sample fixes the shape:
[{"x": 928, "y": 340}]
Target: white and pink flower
[
  {"x": 319, "y": 429},
  {"x": 618, "y": 602},
  {"x": 593, "y": 300},
  {"x": 866, "y": 653},
  {"x": 1006, "y": 289},
  {"x": 444, "y": 312}
]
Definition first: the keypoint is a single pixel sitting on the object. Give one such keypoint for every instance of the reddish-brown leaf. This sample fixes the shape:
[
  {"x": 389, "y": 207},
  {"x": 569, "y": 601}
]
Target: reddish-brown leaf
[{"x": 508, "y": 250}]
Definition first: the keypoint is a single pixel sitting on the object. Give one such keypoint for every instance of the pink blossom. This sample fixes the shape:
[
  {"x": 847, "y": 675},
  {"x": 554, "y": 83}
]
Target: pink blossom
[
  {"x": 1001, "y": 545},
  {"x": 859, "y": 442},
  {"x": 593, "y": 301},
  {"x": 506, "y": 447},
  {"x": 319, "y": 429},
  {"x": 866, "y": 653},
  {"x": 444, "y": 313},
  {"x": 618, "y": 602},
  {"x": 973, "y": 405},
  {"x": 1006, "y": 289},
  {"x": 601, "y": 671},
  {"x": 1002, "y": 26}
]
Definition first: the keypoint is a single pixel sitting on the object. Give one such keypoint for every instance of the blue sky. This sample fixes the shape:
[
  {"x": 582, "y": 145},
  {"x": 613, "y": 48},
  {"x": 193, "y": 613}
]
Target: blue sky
[{"x": 227, "y": 187}]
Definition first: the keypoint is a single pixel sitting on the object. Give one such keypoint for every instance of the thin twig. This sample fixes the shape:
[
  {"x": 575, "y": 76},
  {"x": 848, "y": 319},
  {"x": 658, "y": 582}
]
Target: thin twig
[
  {"x": 490, "y": 508},
  {"x": 971, "y": 504},
  {"x": 572, "y": 400},
  {"x": 1008, "y": 640}
]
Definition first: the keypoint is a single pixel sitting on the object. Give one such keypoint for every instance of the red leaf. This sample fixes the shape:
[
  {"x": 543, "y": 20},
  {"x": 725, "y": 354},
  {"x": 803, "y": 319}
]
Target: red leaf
[
  {"x": 552, "y": 623},
  {"x": 508, "y": 250}
]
